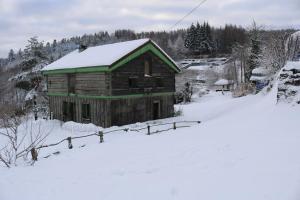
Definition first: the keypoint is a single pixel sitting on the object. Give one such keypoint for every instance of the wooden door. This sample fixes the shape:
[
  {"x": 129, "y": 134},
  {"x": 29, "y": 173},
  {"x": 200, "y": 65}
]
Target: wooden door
[{"x": 156, "y": 110}]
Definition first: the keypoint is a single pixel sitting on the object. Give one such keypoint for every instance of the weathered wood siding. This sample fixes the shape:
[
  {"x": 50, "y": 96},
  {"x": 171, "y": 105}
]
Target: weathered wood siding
[
  {"x": 109, "y": 112},
  {"x": 57, "y": 83},
  {"x": 92, "y": 84},
  {"x": 132, "y": 110},
  {"x": 135, "y": 68},
  {"x": 100, "y": 109},
  {"x": 96, "y": 84}
]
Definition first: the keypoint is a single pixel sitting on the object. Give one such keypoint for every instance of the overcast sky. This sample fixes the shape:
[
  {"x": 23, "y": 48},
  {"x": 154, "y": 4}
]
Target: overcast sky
[{"x": 55, "y": 19}]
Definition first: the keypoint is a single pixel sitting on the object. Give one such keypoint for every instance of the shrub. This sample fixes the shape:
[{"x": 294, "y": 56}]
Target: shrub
[
  {"x": 177, "y": 112},
  {"x": 25, "y": 85}
]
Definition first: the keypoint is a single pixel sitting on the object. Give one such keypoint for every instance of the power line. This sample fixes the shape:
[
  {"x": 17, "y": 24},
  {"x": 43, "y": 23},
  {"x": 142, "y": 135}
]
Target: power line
[{"x": 188, "y": 14}]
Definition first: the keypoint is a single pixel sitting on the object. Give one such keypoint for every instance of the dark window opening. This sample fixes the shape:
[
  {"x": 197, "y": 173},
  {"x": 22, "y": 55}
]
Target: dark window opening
[
  {"x": 156, "y": 110},
  {"x": 148, "y": 67},
  {"x": 159, "y": 82},
  {"x": 86, "y": 112},
  {"x": 71, "y": 83},
  {"x": 65, "y": 109},
  {"x": 68, "y": 109},
  {"x": 133, "y": 82}
]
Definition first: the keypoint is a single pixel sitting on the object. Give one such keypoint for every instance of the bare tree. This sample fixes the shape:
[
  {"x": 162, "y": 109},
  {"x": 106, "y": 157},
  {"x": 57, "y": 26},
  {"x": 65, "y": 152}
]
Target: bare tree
[
  {"x": 274, "y": 55},
  {"x": 240, "y": 55},
  {"x": 20, "y": 134}
]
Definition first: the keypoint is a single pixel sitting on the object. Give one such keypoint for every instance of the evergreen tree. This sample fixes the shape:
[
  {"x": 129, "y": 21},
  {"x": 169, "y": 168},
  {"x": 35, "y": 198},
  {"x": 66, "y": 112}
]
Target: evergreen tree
[
  {"x": 11, "y": 56},
  {"x": 206, "y": 45},
  {"x": 202, "y": 47},
  {"x": 34, "y": 49},
  {"x": 190, "y": 38},
  {"x": 20, "y": 54},
  {"x": 255, "y": 51}
]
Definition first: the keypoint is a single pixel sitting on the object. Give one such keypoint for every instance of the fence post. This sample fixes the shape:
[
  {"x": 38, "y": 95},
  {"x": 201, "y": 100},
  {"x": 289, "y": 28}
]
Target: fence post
[
  {"x": 101, "y": 136},
  {"x": 148, "y": 127},
  {"x": 34, "y": 154},
  {"x": 174, "y": 125},
  {"x": 70, "y": 146}
]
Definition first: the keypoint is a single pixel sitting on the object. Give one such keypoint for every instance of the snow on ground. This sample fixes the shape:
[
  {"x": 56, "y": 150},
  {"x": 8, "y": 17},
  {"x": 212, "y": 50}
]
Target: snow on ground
[{"x": 245, "y": 148}]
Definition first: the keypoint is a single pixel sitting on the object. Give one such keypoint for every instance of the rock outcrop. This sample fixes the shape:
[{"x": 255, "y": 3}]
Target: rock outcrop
[{"x": 289, "y": 83}]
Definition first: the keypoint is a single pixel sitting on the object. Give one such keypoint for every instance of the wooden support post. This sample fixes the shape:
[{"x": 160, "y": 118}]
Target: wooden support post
[
  {"x": 148, "y": 127},
  {"x": 34, "y": 154},
  {"x": 70, "y": 146},
  {"x": 101, "y": 136},
  {"x": 174, "y": 125}
]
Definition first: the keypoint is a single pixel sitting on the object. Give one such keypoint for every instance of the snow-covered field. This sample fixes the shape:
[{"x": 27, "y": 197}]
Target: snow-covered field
[{"x": 245, "y": 148}]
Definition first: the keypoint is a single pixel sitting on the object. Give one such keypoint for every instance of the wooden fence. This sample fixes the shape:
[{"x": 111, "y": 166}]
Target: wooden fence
[{"x": 100, "y": 134}]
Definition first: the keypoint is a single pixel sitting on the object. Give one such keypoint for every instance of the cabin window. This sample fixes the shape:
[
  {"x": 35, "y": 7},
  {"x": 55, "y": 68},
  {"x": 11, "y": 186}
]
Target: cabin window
[
  {"x": 69, "y": 111},
  {"x": 148, "y": 67},
  {"x": 86, "y": 112},
  {"x": 159, "y": 82},
  {"x": 133, "y": 82},
  {"x": 71, "y": 83}
]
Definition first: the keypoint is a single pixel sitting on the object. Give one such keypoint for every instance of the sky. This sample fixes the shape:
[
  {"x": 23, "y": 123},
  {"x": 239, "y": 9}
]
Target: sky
[{"x": 55, "y": 19}]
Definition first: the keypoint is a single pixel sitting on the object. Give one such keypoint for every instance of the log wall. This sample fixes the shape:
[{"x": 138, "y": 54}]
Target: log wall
[
  {"x": 100, "y": 109},
  {"x": 96, "y": 84},
  {"x": 135, "y": 68},
  {"x": 127, "y": 111}
]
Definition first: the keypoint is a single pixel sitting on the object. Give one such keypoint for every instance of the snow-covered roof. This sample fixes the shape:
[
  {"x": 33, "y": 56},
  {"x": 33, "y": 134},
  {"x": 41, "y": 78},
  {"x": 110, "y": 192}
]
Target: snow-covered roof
[
  {"x": 260, "y": 70},
  {"x": 258, "y": 78},
  {"x": 223, "y": 82},
  {"x": 292, "y": 65},
  {"x": 103, "y": 55},
  {"x": 296, "y": 35}
]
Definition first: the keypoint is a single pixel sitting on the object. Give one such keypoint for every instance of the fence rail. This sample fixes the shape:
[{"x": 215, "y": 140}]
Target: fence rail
[{"x": 100, "y": 134}]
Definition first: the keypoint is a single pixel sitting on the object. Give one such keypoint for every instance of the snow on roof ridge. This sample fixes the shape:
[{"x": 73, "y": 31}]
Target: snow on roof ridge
[
  {"x": 296, "y": 34},
  {"x": 260, "y": 70},
  {"x": 222, "y": 82},
  {"x": 102, "y": 55},
  {"x": 292, "y": 65}
]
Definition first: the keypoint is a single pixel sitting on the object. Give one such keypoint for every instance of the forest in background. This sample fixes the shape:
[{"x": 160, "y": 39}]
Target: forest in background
[
  {"x": 175, "y": 43},
  {"x": 20, "y": 71}
]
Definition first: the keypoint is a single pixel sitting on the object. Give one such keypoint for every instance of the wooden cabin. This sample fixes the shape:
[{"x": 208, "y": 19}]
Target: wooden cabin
[{"x": 112, "y": 84}]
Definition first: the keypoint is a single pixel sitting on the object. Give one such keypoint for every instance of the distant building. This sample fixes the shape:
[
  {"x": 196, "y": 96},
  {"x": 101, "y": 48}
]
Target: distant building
[
  {"x": 113, "y": 84},
  {"x": 223, "y": 85},
  {"x": 260, "y": 78}
]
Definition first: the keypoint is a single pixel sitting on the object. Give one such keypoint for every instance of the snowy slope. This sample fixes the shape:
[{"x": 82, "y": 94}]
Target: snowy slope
[{"x": 246, "y": 148}]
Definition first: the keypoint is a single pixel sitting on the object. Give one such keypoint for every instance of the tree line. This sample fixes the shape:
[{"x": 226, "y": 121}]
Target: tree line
[{"x": 179, "y": 44}]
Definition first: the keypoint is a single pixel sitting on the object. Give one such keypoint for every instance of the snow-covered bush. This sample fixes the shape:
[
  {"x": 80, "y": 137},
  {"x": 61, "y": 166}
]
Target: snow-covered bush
[{"x": 177, "y": 112}]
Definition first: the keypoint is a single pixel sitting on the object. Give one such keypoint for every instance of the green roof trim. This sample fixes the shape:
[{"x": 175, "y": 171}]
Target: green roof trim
[
  {"x": 134, "y": 54},
  {"x": 78, "y": 70},
  {"x": 111, "y": 97},
  {"x": 148, "y": 47}
]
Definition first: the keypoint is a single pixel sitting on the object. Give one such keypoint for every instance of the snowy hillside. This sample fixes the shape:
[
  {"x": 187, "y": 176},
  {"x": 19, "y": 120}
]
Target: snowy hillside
[{"x": 246, "y": 148}]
